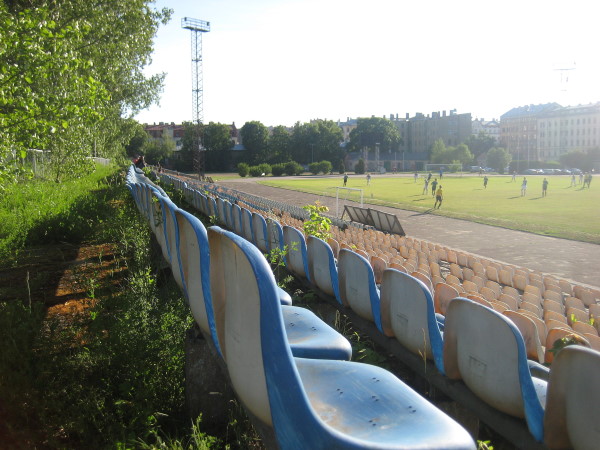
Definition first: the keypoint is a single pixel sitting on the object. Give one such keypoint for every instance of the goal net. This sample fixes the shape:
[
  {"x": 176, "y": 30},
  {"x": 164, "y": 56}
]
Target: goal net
[{"x": 344, "y": 196}]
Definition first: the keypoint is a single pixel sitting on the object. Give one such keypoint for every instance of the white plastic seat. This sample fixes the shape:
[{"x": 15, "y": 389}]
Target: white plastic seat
[
  {"x": 486, "y": 350},
  {"x": 572, "y": 413},
  {"x": 311, "y": 403}
]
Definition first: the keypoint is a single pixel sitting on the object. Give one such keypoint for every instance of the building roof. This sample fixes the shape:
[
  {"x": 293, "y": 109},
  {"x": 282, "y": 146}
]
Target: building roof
[{"x": 530, "y": 110}]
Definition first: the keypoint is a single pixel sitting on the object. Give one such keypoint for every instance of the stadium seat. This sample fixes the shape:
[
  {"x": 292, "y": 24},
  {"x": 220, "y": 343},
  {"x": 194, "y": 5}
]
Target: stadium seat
[
  {"x": 486, "y": 350},
  {"x": 572, "y": 413},
  {"x": 259, "y": 228},
  {"x": 442, "y": 295},
  {"x": 194, "y": 261},
  {"x": 407, "y": 312},
  {"x": 509, "y": 300},
  {"x": 275, "y": 235},
  {"x": 322, "y": 269},
  {"x": 584, "y": 328},
  {"x": 555, "y": 334},
  {"x": 296, "y": 257},
  {"x": 357, "y": 288},
  {"x": 531, "y": 337},
  {"x": 311, "y": 403},
  {"x": 246, "y": 222}
]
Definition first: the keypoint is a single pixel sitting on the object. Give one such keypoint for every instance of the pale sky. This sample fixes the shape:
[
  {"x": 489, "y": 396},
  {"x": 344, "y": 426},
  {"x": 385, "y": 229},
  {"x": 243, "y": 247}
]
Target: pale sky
[{"x": 283, "y": 61}]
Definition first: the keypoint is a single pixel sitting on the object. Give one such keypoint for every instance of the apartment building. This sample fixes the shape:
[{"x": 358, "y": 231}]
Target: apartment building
[
  {"x": 489, "y": 128},
  {"x": 568, "y": 129}
]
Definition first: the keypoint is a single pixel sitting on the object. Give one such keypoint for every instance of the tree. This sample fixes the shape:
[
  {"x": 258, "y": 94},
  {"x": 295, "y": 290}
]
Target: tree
[
  {"x": 461, "y": 154},
  {"x": 360, "y": 167},
  {"x": 479, "y": 144},
  {"x": 317, "y": 140},
  {"x": 498, "y": 158},
  {"x": 218, "y": 144},
  {"x": 255, "y": 137},
  {"x": 437, "y": 153},
  {"x": 157, "y": 150},
  {"x": 72, "y": 69},
  {"x": 279, "y": 145},
  {"x": 137, "y": 141},
  {"x": 372, "y": 131}
]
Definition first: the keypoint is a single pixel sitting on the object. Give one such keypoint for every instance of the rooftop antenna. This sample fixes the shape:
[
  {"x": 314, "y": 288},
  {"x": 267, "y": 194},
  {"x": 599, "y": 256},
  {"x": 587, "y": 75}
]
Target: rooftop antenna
[
  {"x": 197, "y": 27},
  {"x": 564, "y": 76}
]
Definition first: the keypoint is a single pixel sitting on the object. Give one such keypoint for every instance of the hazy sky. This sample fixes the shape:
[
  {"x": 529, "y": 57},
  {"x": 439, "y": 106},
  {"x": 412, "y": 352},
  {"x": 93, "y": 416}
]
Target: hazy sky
[{"x": 283, "y": 61}]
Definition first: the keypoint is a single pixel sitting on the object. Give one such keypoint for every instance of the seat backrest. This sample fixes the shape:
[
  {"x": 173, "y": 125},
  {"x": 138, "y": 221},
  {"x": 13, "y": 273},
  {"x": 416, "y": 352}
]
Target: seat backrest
[
  {"x": 236, "y": 293},
  {"x": 159, "y": 223},
  {"x": 442, "y": 295},
  {"x": 357, "y": 289},
  {"x": 246, "y": 219},
  {"x": 572, "y": 413},
  {"x": 236, "y": 219},
  {"x": 274, "y": 235},
  {"x": 407, "y": 311},
  {"x": 530, "y": 334},
  {"x": 296, "y": 256},
  {"x": 172, "y": 239},
  {"x": 486, "y": 350},
  {"x": 259, "y": 228},
  {"x": 194, "y": 261},
  {"x": 322, "y": 270}
]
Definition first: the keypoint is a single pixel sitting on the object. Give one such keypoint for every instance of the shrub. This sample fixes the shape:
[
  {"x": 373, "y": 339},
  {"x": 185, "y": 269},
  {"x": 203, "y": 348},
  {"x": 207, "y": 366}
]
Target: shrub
[
  {"x": 243, "y": 169},
  {"x": 293, "y": 168},
  {"x": 278, "y": 169},
  {"x": 360, "y": 167},
  {"x": 265, "y": 169},
  {"x": 314, "y": 168},
  {"x": 255, "y": 171},
  {"x": 341, "y": 167},
  {"x": 325, "y": 167}
]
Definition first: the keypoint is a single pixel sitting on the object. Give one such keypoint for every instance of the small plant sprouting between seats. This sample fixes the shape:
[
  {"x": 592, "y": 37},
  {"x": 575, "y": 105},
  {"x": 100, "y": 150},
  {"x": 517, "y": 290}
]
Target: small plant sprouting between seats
[{"x": 317, "y": 225}]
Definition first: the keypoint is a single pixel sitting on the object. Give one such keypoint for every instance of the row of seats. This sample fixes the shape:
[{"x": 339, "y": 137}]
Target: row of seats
[
  {"x": 473, "y": 342},
  {"x": 288, "y": 368}
]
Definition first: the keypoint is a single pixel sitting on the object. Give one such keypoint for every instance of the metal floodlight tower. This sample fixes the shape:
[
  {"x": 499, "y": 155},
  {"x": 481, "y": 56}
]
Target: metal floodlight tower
[{"x": 197, "y": 27}]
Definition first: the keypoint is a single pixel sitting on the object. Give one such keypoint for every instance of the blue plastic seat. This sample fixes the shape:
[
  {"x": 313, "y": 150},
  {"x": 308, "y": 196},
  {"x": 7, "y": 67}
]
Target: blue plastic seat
[
  {"x": 246, "y": 222},
  {"x": 322, "y": 269},
  {"x": 310, "y": 403},
  {"x": 486, "y": 350},
  {"x": 408, "y": 313},
  {"x": 259, "y": 229},
  {"x": 357, "y": 287},
  {"x": 275, "y": 235},
  {"x": 296, "y": 258},
  {"x": 194, "y": 262}
]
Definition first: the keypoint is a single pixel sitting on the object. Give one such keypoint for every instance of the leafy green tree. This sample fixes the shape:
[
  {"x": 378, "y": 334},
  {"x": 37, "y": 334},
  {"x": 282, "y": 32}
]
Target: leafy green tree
[
  {"x": 316, "y": 141},
  {"x": 218, "y": 144},
  {"x": 437, "y": 154},
  {"x": 279, "y": 145},
  {"x": 157, "y": 150},
  {"x": 74, "y": 70},
  {"x": 341, "y": 166},
  {"x": 498, "y": 158},
  {"x": 137, "y": 141},
  {"x": 326, "y": 167},
  {"x": 462, "y": 154},
  {"x": 192, "y": 137},
  {"x": 479, "y": 144},
  {"x": 255, "y": 137},
  {"x": 372, "y": 131}
]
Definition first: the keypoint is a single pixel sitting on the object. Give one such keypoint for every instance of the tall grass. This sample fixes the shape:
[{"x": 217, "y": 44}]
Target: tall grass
[
  {"x": 42, "y": 211},
  {"x": 114, "y": 376}
]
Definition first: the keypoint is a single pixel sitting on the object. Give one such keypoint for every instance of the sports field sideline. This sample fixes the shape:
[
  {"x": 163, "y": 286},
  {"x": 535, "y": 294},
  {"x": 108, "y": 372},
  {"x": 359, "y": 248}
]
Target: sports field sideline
[{"x": 571, "y": 212}]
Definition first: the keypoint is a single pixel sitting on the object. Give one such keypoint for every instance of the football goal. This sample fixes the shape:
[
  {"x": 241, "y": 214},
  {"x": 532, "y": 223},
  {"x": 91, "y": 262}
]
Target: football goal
[{"x": 344, "y": 195}]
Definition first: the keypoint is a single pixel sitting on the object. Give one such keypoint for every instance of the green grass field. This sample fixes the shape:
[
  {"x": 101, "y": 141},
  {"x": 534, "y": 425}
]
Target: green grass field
[{"x": 567, "y": 212}]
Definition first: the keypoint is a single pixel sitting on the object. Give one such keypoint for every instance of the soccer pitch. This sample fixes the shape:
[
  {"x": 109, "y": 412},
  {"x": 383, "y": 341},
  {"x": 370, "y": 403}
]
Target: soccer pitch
[{"x": 571, "y": 212}]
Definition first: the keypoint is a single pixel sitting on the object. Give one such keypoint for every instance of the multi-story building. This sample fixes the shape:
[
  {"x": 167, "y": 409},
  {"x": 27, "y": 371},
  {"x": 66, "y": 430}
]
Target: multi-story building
[
  {"x": 166, "y": 131},
  {"x": 421, "y": 131},
  {"x": 567, "y": 129},
  {"x": 489, "y": 128},
  {"x": 519, "y": 130}
]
